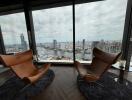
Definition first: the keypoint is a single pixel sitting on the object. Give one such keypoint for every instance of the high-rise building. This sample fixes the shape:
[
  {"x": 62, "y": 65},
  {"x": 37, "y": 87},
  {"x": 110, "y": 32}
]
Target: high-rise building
[
  {"x": 55, "y": 47},
  {"x": 83, "y": 44},
  {"x": 54, "y": 44},
  {"x": 23, "y": 42},
  {"x": 95, "y": 44},
  {"x": 83, "y": 49}
]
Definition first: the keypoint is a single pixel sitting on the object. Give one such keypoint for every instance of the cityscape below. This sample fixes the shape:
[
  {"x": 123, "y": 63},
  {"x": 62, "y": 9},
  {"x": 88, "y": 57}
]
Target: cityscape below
[{"x": 64, "y": 50}]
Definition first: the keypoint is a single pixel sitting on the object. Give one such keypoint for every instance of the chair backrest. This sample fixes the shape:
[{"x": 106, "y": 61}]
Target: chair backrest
[
  {"x": 102, "y": 61},
  {"x": 20, "y": 63}
]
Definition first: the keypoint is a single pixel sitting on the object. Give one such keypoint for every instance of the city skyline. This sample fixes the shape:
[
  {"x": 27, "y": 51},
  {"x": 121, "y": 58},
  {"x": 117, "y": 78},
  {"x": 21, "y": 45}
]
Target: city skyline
[
  {"x": 64, "y": 50},
  {"x": 51, "y": 42}
]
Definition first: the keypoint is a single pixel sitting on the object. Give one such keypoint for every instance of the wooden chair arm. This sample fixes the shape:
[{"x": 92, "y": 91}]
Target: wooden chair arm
[
  {"x": 34, "y": 78},
  {"x": 44, "y": 67},
  {"x": 91, "y": 77},
  {"x": 82, "y": 69}
]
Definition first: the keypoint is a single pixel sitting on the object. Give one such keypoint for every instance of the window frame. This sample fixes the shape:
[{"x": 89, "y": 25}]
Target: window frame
[{"x": 31, "y": 34}]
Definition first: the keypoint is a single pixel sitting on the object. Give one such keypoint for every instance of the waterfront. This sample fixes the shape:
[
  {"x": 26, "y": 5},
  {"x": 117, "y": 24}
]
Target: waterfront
[{"x": 64, "y": 50}]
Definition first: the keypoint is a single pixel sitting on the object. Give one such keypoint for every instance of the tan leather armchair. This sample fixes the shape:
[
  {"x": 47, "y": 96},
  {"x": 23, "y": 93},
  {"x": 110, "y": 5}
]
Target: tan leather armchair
[
  {"x": 22, "y": 65},
  {"x": 101, "y": 62}
]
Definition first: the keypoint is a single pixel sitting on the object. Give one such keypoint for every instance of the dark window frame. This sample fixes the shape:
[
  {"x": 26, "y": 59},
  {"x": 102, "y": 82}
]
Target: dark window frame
[{"x": 126, "y": 52}]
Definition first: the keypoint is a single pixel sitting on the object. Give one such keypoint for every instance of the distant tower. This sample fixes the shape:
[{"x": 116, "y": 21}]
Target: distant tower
[
  {"x": 23, "y": 42},
  {"x": 54, "y": 44},
  {"x": 83, "y": 44},
  {"x": 95, "y": 44},
  {"x": 83, "y": 49},
  {"x": 55, "y": 47}
]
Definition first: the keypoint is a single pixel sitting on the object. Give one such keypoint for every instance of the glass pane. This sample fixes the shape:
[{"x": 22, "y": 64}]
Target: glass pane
[
  {"x": 14, "y": 32},
  {"x": 53, "y": 32},
  {"x": 99, "y": 24}
]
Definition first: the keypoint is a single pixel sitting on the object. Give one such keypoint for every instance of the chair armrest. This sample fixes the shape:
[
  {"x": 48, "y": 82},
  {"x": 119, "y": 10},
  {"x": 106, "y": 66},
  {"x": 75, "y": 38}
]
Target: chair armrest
[
  {"x": 82, "y": 70},
  {"x": 34, "y": 78},
  {"x": 77, "y": 65},
  {"x": 44, "y": 67},
  {"x": 91, "y": 77}
]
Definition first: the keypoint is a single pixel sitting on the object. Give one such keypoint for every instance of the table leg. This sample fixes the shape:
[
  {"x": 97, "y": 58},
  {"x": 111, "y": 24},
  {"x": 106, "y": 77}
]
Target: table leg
[{"x": 121, "y": 76}]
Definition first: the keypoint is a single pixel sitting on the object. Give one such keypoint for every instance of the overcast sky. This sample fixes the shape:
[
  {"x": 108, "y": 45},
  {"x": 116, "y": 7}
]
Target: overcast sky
[{"x": 94, "y": 21}]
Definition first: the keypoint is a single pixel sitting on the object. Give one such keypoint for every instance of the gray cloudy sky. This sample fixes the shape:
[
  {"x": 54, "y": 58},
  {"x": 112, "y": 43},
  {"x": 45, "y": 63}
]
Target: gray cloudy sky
[{"x": 94, "y": 21}]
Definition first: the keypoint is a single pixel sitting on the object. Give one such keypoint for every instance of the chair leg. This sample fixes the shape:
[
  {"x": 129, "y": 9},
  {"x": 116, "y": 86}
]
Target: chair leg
[{"x": 80, "y": 78}]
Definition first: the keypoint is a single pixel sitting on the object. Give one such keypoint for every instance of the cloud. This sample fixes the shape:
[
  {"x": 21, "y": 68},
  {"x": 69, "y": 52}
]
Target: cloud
[{"x": 94, "y": 21}]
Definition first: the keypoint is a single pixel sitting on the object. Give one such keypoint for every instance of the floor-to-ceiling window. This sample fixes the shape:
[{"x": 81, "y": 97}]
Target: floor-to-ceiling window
[
  {"x": 54, "y": 34},
  {"x": 99, "y": 24},
  {"x": 14, "y": 32}
]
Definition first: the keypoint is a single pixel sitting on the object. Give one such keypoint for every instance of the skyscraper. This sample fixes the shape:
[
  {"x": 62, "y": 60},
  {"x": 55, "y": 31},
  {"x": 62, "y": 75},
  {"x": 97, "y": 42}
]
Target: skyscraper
[
  {"x": 83, "y": 49},
  {"x": 54, "y": 44},
  {"x": 83, "y": 44},
  {"x": 55, "y": 47},
  {"x": 23, "y": 43}
]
